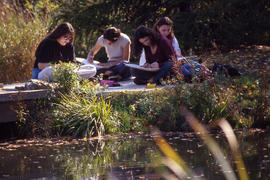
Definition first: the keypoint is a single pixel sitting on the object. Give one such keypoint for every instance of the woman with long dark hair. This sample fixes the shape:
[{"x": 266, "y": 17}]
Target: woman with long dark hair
[
  {"x": 57, "y": 46},
  {"x": 164, "y": 26},
  {"x": 158, "y": 52}
]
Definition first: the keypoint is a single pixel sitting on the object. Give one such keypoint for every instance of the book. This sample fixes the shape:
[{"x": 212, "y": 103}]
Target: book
[
  {"x": 136, "y": 66},
  {"x": 95, "y": 63}
]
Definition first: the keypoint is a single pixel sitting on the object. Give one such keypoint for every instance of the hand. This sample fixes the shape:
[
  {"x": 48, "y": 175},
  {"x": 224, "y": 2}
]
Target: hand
[
  {"x": 146, "y": 65},
  {"x": 90, "y": 58},
  {"x": 154, "y": 65}
]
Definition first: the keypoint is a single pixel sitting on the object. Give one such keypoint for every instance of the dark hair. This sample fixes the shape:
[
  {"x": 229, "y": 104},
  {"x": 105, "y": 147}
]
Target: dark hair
[
  {"x": 63, "y": 29},
  {"x": 142, "y": 32},
  {"x": 164, "y": 21},
  {"x": 112, "y": 34}
]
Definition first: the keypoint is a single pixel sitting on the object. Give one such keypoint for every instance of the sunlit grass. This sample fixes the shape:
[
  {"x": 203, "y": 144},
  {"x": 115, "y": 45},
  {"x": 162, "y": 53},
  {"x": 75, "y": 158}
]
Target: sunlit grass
[{"x": 20, "y": 34}]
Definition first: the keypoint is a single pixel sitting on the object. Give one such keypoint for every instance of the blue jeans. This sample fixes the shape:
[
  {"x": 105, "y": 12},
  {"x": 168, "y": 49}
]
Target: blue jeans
[
  {"x": 164, "y": 71},
  {"x": 35, "y": 72},
  {"x": 119, "y": 69}
]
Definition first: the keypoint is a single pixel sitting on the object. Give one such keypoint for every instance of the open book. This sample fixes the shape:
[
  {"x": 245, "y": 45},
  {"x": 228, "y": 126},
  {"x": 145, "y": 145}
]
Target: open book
[
  {"x": 95, "y": 63},
  {"x": 136, "y": 66}
]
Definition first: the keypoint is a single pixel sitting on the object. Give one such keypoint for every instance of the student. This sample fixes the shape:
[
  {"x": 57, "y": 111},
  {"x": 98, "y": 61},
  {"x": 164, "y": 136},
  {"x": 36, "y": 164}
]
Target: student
[
  {"x": 158, "y": 53},
  {"x": 57, "y": 46},
  {"x": 164, "y": 26},
  {"x": 117, "y": 47}
]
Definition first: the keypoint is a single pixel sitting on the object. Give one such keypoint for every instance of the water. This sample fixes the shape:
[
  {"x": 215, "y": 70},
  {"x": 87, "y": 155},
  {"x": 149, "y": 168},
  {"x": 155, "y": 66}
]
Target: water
[{"x": 127, "y": 156}]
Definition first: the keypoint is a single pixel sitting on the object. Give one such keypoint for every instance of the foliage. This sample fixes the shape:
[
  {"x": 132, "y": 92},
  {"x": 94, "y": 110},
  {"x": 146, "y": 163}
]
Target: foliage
[
  {"x": 242, "y": 101},
  {"x": 81, "y": 117},
  {"x": 35, "y": 118},
  {"x": 21, "y": 30},
  {"x": 79, "y": 111},
  {"x": 73, "y": 108},
  {"x": 198, "y": 25},
  {"x": 65, "y": 76}
]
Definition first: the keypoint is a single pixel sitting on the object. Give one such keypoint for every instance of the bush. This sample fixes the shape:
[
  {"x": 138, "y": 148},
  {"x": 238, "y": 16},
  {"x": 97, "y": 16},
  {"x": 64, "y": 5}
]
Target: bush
[
  {"x": 21, "y": 30},
  {"x": 82, "y": 117},
  {"x": 78, "y": 110},
  {"x": 198, "y": 25}
]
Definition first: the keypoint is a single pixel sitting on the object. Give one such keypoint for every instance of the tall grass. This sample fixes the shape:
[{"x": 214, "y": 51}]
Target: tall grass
[
  {"x": 20, "y": 33},
  {"x": 78, "y": 110}
]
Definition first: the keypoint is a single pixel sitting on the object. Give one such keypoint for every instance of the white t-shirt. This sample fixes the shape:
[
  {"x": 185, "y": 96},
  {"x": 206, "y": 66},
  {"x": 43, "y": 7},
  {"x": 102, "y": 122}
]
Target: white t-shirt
[
  {"x": 176, "y": 48},
  {"x": 115, "y": 50}
]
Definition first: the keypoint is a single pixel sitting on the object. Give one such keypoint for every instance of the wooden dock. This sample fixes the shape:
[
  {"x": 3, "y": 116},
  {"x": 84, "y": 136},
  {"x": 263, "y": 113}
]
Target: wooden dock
[{"x": 10, "y": 96}]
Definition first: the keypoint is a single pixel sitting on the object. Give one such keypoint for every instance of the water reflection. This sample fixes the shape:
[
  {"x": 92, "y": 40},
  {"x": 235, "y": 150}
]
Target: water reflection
[{"x": 125, "y": 157}]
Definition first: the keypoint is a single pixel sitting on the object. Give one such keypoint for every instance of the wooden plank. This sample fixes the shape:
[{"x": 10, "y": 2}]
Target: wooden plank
[{"x": 14, "y": 95}]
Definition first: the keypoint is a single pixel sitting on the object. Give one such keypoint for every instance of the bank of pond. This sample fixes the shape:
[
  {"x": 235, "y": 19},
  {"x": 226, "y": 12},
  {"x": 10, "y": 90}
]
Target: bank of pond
[{"x": 79, "y": 108}]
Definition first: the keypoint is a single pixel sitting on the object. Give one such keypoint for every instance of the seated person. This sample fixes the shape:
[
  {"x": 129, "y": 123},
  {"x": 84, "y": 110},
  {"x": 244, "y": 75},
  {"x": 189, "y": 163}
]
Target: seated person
[
  {"x": 158, "y": 52},
  {"x": 117, "y": 47},
  {"x": 164, "y": 26},
  {"x": 57, "y": 46}
]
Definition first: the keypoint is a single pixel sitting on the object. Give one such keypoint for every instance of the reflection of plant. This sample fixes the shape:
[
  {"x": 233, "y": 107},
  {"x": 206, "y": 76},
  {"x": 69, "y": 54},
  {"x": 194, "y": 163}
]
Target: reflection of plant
[
  {"x": 88, "y": 163},
  {"x": 94, "y": 158}
]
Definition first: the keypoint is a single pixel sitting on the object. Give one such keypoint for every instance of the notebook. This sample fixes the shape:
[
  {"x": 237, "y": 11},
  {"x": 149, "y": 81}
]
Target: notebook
[
  {"x": 95, "y": 63},
  {"x": 136, "y": 66}
]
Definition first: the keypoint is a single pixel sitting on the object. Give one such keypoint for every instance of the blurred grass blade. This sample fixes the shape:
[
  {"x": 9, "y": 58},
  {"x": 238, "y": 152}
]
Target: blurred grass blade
[
  {"x": 170, "y": 153},
  {"x": 175, "y": 167},
  {"x": 210, "y": 142},
  {"x": 227, "y": 129}
]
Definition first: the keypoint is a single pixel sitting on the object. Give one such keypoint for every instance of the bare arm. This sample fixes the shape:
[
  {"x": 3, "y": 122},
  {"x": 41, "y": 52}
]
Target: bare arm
[
  {"x": 42, "y": 65},
  {"x": 93, "y": 52},
  {"x": 126, "y": 52}
]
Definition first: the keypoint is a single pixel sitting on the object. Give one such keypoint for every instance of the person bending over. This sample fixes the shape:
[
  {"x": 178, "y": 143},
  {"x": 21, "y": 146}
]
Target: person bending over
[
  {"x": 117, "y": 47},
  {"x": 164, "y": 26},
  {"x": 158, "y": 53}
]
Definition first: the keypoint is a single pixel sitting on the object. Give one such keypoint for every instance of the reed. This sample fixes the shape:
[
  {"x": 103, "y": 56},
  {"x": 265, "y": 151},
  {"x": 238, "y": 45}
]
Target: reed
[{"x": 20, "y": 34}]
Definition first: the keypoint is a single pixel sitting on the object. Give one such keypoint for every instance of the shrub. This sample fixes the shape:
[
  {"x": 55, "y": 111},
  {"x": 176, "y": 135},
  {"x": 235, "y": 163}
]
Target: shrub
[
  {"x": 21, "y": 30},
  {"x": 83, "y": 117}
]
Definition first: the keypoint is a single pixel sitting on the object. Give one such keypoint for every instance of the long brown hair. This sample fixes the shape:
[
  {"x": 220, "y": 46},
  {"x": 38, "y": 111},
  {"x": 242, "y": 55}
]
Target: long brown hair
[
  {"x": 164, "y": 21},
  {"x": 142, "y": 32},
  {"x": 64, "y": 28}
]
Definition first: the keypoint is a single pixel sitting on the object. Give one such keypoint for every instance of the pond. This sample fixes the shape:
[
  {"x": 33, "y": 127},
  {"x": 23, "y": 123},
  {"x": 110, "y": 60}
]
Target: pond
[{"x": 127, "y": 156}]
